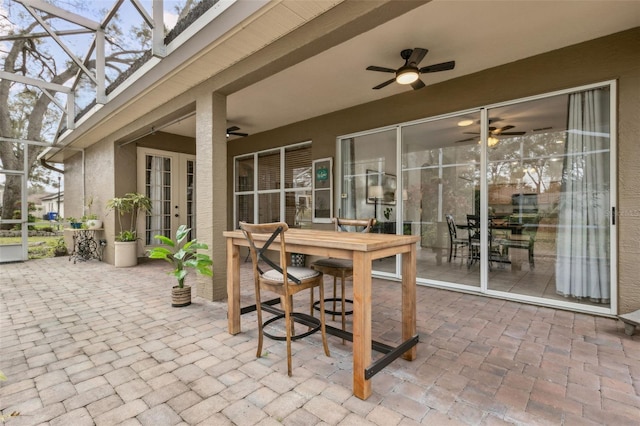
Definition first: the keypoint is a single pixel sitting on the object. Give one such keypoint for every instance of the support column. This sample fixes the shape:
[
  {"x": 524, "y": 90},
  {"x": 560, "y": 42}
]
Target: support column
[{"x": 211, "y": 189}]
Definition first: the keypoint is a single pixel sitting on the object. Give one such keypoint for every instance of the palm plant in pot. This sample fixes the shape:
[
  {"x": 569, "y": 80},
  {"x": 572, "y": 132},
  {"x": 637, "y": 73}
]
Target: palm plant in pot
[
  {"x": 183, "y": 256},
  {"x": 133, "y": 204}
]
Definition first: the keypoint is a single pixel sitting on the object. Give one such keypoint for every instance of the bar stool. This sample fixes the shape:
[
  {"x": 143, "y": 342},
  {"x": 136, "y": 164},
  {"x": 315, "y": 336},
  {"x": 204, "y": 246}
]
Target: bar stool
[{"x": 340, "y": 268}]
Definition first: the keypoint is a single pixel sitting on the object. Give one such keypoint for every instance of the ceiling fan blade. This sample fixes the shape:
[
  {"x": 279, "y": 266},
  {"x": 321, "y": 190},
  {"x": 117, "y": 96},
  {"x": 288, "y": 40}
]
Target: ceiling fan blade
[
  {"x": 386, "y": 83},
  {"x": 467, "y": 140},
  {"x": 381, "y": 69},
  {"x": 417, "y": 55},
  {"x": 502, "y": 129},
  {"x": 418, "y": 84},
  {"x": 445, "y": 66},
  {"x": 239, "y": 134},
  {"x": 232, "y": 129},
  {"x": 513, "y": 133}
]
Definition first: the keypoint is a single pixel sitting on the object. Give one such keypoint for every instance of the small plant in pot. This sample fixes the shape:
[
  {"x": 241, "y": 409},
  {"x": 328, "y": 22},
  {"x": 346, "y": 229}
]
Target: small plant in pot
[
  {"x": 91, "y": 219},
  {"x": 183, "y": 256},
  {"x": 74, "y": 223},
  {"x": 60, "y": 248},
  {"x": 132, "y": 204}
]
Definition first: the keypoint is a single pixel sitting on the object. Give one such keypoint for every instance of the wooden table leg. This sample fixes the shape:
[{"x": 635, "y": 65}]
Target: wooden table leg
[
  {"x": 361, "y": 323},
  {"x": 409, "y": 300},
  {"x": 233, "y": 286}
]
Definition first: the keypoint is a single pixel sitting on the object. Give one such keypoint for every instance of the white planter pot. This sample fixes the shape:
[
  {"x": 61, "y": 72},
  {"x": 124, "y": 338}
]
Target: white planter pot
[
  {"x": 126, "y": 253},
  {"x": 94, "y": 224}
]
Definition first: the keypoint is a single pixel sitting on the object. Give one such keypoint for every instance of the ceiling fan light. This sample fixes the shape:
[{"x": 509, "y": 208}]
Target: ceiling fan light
[
  {"x": 492, "y": 141},
  {"x": 406, "y": 75}
]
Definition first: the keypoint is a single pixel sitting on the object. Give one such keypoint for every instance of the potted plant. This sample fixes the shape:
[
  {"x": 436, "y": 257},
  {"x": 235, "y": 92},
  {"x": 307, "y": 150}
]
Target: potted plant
[
  {"x": 91, "y": 219},
  {"x": 183, "y": 256},
  {"x": 93, "y": 222},
  {"x": 60, "y": 249},
  {"x": 132, "y": 204},
  {"x": 73, "y": 222}
]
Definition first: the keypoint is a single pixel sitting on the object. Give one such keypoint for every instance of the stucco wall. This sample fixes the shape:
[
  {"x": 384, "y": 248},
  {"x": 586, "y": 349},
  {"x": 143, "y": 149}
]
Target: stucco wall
[
  {"x": 99, "y": 187},
  {"x": 102, "y": 184},
  {"x": 609, "y": 58},
  {"x": 73, "y": 191},
  {"x": 169, "y": 142},
  {"x": 73, "y": 186}
]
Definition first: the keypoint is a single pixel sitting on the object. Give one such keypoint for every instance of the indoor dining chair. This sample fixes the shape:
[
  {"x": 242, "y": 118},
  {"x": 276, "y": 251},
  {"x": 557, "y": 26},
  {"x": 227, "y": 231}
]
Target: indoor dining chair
[
  {"x": 454, "y": 240},
  {"x": 284, "y": 281},
  {"x": 494, "y": 251},
  {"x": 340, "y": 268}
]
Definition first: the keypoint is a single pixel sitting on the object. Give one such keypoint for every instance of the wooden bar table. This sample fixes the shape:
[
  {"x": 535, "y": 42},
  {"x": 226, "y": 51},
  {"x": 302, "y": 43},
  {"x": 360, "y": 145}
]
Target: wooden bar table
[{"x": 362, "y": 249}]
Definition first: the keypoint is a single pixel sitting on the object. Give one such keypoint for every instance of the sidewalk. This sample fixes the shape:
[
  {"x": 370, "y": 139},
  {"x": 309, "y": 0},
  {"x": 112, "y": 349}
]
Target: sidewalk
[{"x": 92, "y": 344}]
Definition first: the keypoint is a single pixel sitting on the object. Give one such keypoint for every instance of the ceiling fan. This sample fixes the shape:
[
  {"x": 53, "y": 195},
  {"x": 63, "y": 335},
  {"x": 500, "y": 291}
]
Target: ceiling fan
[
  {"x": 409, "y": 73},
  {"x": 494, "y": 132},
  {"x": 233, "y": 131}
]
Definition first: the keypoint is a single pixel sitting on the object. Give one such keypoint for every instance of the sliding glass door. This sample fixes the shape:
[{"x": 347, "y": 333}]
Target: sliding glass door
[
  {"x": 513, "y": 200},
  {"x": 369, "y": 186},
  {"x": 550, "y": 197},
  {"x": 440, "y": 184}
]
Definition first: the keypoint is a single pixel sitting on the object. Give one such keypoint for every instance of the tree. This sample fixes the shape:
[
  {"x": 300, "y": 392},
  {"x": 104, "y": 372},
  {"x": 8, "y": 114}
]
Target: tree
[{"x": 30, "y": 114}]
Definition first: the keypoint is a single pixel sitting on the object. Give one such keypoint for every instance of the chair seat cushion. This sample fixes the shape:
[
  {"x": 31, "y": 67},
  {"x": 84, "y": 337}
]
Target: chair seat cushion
[
  {"x": 334, "y": 263},
  {"x": 298, "y": 272}
]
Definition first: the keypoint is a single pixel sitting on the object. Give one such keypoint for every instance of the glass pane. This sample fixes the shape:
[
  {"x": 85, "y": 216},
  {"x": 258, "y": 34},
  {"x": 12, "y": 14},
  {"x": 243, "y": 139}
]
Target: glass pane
[
  {"x": 441, "y": 178},
  {"x": 369, "y": 184},
  {"x": 549, "y": 198},
  {"x": 11, "y": 247},
  {"x": 244, "y": 174},
  {"x": 191, "y": 198},
  {"x": 269, "y": 210},
  {"x": 369, "y": 159},
  {"x": 244, "y": 208},
  {"x": 158, "y": 189},
  {"x": 269, "y": 170},
  {"x": 297, "y": 166},
  {"x": 298, "y": 209},
  {"x": 10, "y": 200}
]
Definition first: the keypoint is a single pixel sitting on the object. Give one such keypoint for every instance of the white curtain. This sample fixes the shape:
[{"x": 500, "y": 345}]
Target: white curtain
[{"x": 583, "y": 264}]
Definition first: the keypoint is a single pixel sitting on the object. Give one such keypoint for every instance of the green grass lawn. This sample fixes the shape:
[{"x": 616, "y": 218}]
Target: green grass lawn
[{"x": 39, "y": 247}]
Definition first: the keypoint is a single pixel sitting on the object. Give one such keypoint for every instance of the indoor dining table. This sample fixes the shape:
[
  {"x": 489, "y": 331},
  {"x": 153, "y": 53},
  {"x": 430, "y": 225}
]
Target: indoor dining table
[{"x": 362, "y": 249}]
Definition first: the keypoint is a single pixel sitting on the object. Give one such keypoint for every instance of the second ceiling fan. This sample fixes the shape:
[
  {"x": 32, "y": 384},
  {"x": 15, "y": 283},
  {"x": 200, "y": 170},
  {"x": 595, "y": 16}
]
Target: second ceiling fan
[
  {"x": 494, "y": 132},
  {"x": 409, "y": 73},
  {"x": 233, "y": 131}
]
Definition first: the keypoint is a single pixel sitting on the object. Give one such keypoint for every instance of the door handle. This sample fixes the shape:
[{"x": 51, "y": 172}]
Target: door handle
[{"x": 177, "y": 215}]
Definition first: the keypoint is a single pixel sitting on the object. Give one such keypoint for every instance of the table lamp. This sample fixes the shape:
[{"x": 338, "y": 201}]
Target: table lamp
[{"x": 376, "y": 192}]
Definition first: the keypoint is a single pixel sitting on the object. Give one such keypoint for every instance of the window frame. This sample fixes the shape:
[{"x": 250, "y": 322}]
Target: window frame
[{"x": 256, "y": 192}]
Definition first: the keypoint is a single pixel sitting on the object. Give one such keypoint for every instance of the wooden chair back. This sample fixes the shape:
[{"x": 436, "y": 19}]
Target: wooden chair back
[{"x": 342, "y": 224}]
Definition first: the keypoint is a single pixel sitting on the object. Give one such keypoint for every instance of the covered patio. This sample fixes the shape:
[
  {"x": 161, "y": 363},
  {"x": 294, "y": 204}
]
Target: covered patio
[{"x": 89, "y": 343}]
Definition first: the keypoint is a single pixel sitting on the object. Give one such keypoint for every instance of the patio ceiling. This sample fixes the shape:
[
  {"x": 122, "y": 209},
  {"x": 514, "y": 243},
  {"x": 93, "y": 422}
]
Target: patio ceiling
[
  {"x": 476, "y": 34},
  {"x": 312, "y": 80}
]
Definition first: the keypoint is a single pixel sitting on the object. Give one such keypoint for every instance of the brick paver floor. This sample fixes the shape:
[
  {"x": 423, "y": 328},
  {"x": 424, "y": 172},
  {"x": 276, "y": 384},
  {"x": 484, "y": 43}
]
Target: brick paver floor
[{"x": 88, "y": 343}]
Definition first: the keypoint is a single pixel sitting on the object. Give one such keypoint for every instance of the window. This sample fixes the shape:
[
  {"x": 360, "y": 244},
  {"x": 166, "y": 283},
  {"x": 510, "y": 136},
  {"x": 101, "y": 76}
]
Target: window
[{"x": 274, "y": 185}]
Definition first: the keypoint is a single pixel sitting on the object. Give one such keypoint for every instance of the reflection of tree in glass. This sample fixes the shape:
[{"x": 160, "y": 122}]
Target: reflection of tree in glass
[{"x": 532, "y": 160}]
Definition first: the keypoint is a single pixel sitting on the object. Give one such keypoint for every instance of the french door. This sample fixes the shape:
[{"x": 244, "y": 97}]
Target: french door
[{"x": 168, "y": 179}]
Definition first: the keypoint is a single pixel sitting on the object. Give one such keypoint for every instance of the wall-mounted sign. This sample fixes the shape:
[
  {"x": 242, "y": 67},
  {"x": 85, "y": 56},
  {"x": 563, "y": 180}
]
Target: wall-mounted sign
[
  {"x": 322, "y": 174},
  {"x": 322, "y": 190}
]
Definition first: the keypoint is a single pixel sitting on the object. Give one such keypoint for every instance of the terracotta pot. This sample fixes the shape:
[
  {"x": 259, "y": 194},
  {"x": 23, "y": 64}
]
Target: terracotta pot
[{"x": 180, "y": 296}]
